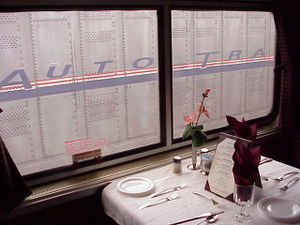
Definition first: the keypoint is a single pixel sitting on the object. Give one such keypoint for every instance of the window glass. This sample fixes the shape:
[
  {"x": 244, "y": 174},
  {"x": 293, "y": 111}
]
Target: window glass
[
  {"x": 77, "y": 85},
  {"x": 230, "y": 52}
]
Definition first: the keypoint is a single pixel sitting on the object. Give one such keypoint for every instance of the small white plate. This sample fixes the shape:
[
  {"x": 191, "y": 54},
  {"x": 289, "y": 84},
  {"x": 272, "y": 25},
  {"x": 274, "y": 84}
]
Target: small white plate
[
  {"x": 136, "y": 186},
  {"x": 280, "y": 209}
]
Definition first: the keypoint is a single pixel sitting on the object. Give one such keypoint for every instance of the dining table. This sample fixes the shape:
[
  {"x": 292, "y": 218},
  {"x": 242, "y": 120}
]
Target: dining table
[{"x": 271, "y": 206}]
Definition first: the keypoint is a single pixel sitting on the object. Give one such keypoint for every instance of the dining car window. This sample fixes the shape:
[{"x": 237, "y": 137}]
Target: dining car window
[
  {"x": 230, "y": 52},
  {"x": 77, "y": 85},
  {"x": 86, "y": 89}
]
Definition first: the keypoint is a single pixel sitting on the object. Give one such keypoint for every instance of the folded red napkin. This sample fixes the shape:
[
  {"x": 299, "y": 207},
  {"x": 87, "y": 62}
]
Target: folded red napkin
[{"x": 246, "y": 156}]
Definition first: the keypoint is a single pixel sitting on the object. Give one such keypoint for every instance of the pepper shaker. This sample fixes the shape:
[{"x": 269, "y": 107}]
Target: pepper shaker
[{"x": 177, "y": 164}]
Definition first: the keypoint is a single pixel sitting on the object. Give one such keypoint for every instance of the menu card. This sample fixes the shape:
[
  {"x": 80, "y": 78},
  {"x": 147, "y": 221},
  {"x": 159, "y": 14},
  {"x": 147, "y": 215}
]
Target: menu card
[{"x": 220, "y": 178}]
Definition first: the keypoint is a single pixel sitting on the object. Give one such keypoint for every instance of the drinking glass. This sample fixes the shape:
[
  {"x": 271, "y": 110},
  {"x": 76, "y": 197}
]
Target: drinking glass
[{"x": 243, "y": 196}]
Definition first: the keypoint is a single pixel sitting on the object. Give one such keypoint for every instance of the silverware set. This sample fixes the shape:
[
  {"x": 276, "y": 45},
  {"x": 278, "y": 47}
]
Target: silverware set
[
  {"x": 282, "y": 177},
  {"x": 173, "y": 196}
]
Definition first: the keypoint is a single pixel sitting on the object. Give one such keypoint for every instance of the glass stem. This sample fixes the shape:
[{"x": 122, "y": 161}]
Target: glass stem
[{"x": 243, "y": 211}]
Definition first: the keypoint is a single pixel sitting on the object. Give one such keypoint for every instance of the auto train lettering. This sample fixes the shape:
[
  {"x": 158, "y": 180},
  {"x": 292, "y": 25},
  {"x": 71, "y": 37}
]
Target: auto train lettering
[{"x": 17, "y": 84}]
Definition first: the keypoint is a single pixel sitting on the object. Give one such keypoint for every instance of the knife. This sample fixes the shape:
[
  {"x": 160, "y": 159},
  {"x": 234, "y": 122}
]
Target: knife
[
  {"x": 167, "y": 190},
  {"x": 203, "y": 196},
  {"x": 265, "y": 160},
  {"x": 196, "y": 217}
]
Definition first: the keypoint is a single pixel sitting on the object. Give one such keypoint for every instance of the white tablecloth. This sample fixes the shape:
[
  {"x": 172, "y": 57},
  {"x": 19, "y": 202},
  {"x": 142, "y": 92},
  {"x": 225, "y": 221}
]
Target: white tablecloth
[{"x": 124, "y": 209}]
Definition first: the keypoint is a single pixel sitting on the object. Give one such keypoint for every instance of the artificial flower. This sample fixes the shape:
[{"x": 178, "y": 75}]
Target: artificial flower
[
  {"x": 190, "y": 119},
  {"x": 192, "y": 128},
  {"x": 205, "y": 93},
  {"x": 202, "y": 110}
]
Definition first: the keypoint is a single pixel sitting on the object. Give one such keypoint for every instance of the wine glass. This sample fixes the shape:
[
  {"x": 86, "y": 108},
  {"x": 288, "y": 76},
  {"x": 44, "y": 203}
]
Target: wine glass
[{"x": 243, "y": 196}]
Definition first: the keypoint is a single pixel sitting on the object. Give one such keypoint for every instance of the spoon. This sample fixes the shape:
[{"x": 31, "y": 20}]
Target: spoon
[
  {"x": 284, "y": 176},
  {"x": 289, "y": 184},
  {"x": 210, "y": 219}
]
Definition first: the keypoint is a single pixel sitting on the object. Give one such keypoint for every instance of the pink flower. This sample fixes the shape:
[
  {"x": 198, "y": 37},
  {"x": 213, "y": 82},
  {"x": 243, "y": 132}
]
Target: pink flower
[
  {"x": 202, "y": 110},
  {"x": 190, "y": 119},
  {"x": 206, "y": 92},
  {"x": 206, "y": 113}
]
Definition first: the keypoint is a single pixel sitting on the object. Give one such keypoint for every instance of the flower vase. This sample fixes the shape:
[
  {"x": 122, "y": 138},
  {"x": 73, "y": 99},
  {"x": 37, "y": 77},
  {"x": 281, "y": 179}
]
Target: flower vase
[
  {"x": 194, "y": 130},
  {"x": 194, "y": 165}
]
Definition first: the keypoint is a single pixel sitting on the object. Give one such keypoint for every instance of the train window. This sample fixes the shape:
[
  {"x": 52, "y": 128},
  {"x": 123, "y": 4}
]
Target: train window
[
  {"x": 80, "y": 86},
  {"x": 76, "y": 85},
  {"x": 230, "y": 52}
]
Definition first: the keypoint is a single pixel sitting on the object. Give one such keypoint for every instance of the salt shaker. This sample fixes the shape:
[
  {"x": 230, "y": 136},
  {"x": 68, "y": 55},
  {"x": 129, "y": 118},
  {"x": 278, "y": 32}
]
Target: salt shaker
[
  {"x": 177, "y": 164},
  {"x": 206, "y": 160}
]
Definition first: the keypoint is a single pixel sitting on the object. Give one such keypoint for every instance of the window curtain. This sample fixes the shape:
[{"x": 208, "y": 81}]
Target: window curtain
[{"x": 287, "y": 20}]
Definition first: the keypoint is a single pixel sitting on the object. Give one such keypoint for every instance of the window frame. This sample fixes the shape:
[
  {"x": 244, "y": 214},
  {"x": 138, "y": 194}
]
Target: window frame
[{"x": 164, "y": 9}]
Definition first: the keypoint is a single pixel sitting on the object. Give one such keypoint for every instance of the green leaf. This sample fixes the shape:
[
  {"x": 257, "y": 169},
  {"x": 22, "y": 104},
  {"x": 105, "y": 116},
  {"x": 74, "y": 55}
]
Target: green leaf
[
  {"x": 198, "y": 137},
  {"x": 200, "y": 127},
  {"x": 187, "y": 132}
]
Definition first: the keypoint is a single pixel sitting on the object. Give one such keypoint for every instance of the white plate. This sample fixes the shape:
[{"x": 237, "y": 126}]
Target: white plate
[
  {"x": 280, "y": 209},
  {"x": 136, "y": 186}
]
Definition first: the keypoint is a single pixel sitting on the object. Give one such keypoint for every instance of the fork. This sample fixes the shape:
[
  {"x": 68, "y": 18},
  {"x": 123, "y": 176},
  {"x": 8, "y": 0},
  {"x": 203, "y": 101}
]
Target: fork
[
  {"x": 167, "y": 190},
  {"x": 285, "y": 175},
  {"x": 173, "y": 196}
]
